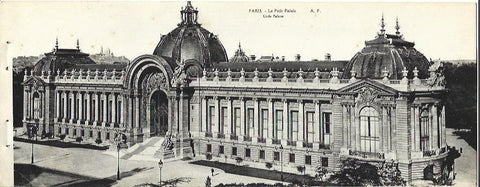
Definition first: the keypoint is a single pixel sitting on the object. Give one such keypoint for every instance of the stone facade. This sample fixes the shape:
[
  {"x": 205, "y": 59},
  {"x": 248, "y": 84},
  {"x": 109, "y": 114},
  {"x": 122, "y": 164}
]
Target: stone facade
[{"x": 279, "y": 117}]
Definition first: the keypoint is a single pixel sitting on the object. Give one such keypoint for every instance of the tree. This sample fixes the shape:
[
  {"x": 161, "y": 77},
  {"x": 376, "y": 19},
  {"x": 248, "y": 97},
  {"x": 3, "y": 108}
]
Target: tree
[
  {"x": 79, "y": 139},
  {"x": 321, "y": 172},
  {"x": 355, "y": 172},
  {"x": 62, "y": 136},
  {"x": 268, "y": 165},
  {"x": 209, "y": 156},
  {"x": 239, "y": 160},
  {"x": 301, "y": 169}
]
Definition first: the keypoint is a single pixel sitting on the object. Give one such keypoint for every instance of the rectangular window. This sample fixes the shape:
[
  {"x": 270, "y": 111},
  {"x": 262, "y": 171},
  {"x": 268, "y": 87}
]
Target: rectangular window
[
  {"x": 74, "y": 132},
  {"x": 250, "y": 120},
  {"x": 325, "y": 161},
  {"x": 223, "y": 120},
  {"x": 90, "y": 134},
  {"x": 291, "y": 158},
  {"x": 61, "y": 108},
  {"x": 211, "y": 118},
  {"x": 276, "y": 156},
  {"x": 293, "y": 125},
  {"x": 309, "y": 127},
  {"x": 278, "y": 123},
  {"x": 326, "y": 122},
  {"x": 209, "y": 148},
  {"x": 67, "y": 131},
  {"x": 261, "y": 155},
  {"x": 221, "y": 149},
  {"x": 264, "y": 123},
  {"x": 247, "y": 152},
  {"x": 69, "y": 111},
  {"x": 99, "y": 135},
  {"x": 107, "y": 136},
  {"x": 82, "y": 133},
  {"x": 110, "y": 111},
  {"x": 308, "y": 160},
  {"x": 234, "y": 151},
  {"x": 236, "y": 122},
  {"x": 101, "y": 108}
]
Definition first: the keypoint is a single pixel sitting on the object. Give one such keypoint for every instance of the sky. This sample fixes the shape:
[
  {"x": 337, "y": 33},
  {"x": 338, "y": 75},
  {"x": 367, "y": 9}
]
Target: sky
[{"x": 440, "y": 30}]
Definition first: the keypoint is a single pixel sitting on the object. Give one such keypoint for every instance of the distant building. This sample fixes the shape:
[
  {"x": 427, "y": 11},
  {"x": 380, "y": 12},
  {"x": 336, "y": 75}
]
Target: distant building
[
  {"x": 107, "y": 57},
  {"x": 386, "y": 103}
]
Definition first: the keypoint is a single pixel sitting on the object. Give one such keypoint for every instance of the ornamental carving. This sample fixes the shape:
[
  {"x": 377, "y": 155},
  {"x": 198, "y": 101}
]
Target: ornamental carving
[
  {"x": 367, "y": 95},
  {"x": 154, "y": 81}
]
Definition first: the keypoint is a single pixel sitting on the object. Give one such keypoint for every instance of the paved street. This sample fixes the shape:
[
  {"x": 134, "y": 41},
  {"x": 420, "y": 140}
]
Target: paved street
[
  {"x": 78, "y": 166},
  {"x": 466, "y": 164},
  {"x": 67, "y": 166}
]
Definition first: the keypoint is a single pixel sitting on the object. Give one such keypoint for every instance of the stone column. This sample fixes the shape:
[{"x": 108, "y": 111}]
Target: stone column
[
  {"x": 270, "y": 129},
  {"x": 301, "y": 123},
  {"x": 181, "y": 122},
  {"x": 215, "y": 126},
  {"x": 242, "y": 119},
  {"x": 25, "y": 104},
  {"x": 97, "y": 111},
  {"x": 344, "y": 125},
  {"x": 394, "y": 127},
  {"x": 170, "y": 114},
  {"x": 114, "y": 109},
  {"x": 80, "y": 107},
  {"x": 413, "y": 127},
  {"x": 72, "y": 107},
  {"x": 353, "y": 133},
  {"x": 435, "y": 127},
  {"x": 317, "y": 129},
  {"x": 65, "y": 108},
  {"x": 89, "y": 100},
  {"x": 228, "y": 121},
  {"x": 104, "y": 108},
  {"x": 285, "y": 129},
  {"x": 384, "y": 134},
  {"x": 57, "y": 107},
  {"x": 256, "y": 123},
  {"x": 417, "y": 127},
  {"x": 137, "y": 111},
  {"x": 204, "y": 110},
  {"x": 444, "y": 130}
]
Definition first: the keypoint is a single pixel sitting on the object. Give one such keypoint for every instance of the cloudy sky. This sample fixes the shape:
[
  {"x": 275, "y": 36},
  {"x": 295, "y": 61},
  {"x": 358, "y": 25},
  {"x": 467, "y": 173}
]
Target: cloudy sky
[{"x": 439, "y": 30}]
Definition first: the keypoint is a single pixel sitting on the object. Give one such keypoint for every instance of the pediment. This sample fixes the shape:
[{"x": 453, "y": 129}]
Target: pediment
[
  {"x": 368, "y": 85},
  {"x": 34, "y": 81}
]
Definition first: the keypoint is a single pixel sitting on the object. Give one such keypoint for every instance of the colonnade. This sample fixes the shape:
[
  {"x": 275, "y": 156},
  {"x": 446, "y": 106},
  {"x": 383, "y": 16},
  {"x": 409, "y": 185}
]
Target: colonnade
[
  {"x": 87, "y": 107},
  {"x": 277, "y": 127}
]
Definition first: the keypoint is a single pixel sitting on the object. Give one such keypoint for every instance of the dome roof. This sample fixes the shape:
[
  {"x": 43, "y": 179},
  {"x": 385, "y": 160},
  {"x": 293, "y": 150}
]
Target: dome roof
[
  {"x": 240, "y": 56},
  {"x": 190, "y": 41},
  {"x": 387, "y": 52},
  {"x": 61, "y": 59}
]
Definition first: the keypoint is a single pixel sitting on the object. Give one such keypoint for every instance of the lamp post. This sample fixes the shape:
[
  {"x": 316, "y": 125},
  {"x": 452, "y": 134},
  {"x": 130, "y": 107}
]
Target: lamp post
[
  {"x": 281, "y": 162},
  {"x": 118, "y": 160},
  {"x": 160, "y": 165},
  {"x": 33, "y": 133}
]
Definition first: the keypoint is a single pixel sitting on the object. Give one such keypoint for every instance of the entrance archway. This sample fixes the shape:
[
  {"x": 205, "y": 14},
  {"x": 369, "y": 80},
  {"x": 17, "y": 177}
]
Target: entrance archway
[{"x": 158, "y": 114}]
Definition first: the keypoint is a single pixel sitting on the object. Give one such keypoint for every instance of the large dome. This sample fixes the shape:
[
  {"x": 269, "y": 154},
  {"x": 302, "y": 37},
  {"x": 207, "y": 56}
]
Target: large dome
[
  {"x": 190, "y": 42},
  {"x": 387, "y": 52}
]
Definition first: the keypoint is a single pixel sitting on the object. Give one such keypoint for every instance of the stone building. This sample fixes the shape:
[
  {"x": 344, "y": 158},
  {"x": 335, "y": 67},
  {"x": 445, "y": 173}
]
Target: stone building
[{"x": 385, "y": 103}]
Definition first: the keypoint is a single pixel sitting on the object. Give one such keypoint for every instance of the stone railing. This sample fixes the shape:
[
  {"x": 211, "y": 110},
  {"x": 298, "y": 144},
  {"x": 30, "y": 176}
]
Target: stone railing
[
  {"x": 367, "y": 154},
  {"x": 261, "y": 140},
  {"x": 298, "y": 80},
  {"x": 233, "y": 137},
  {"x": 291, "y": 143},
  {"x": 208, "y": 134},
  {"x": 276, "y": 141}
]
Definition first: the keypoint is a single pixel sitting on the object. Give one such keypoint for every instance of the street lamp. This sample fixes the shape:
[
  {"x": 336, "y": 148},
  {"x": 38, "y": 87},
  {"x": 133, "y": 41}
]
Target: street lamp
[
  {"x": 118, "y": 161},
  {"x": 281, "y": 162},
  {"x": 33, "y": 133},
  {"x": 120, "y": 140},
  {"x": 160, "y": 165}
]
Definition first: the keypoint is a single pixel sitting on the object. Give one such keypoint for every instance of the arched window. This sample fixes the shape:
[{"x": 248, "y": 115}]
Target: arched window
[
  {"x": 369, "y": 139},
  {"x": 424, "y": 130}
]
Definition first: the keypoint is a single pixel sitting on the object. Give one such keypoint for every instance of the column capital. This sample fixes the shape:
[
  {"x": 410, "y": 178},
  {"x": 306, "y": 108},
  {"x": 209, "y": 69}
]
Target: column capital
[
  {"x": 228, "y": 98},
  {"x": 300, "y": 101},
  {"x": 241, "y": 98},
  {"x": 269, "y": 99},
  {"x": 254, "y": 99},
  {"x": 285, "y": 100},
  {"x": 215, "y": 97}
]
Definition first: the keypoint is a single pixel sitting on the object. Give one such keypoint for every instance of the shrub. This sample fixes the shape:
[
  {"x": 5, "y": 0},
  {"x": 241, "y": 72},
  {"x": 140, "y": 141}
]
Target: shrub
[
  {"x": 98, "y": 141},
  {"x": 239, "y": 160},
  {"x": 209, "y": 156},
  {"x": 49, "y": 135},
  {"x": 301, "y": 169},
  {"x": 321, "y": 172},
  {"x": 268, "y": 165},
  {"x": 79, "y": 139},
  {"x": 62, "y": 136}
]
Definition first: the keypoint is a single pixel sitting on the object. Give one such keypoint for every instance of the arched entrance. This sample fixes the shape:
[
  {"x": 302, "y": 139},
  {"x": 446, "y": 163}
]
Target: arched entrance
[{"x": 158, "y": 114}]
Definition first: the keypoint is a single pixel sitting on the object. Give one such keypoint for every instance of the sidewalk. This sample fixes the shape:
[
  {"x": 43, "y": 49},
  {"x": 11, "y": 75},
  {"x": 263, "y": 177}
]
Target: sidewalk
[{"x": 466, "y": 164}]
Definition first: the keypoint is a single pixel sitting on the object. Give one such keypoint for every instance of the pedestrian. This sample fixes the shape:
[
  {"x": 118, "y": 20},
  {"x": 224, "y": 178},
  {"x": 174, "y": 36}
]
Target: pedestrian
[
  {"x": 208, "y": 183},
  {"x": 212, "y": 172},
  {"x": 461, "y": 150}
]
